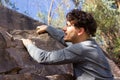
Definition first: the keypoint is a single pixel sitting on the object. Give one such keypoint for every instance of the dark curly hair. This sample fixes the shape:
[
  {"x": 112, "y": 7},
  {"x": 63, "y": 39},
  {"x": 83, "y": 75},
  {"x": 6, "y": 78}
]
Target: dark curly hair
[{"x": 83, "y": 19}]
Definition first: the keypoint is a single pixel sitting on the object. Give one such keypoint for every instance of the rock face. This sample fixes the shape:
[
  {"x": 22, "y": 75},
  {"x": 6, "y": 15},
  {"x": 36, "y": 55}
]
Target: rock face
[
  {"x": 15, "y": 63},
  {"x": 12, "y": 20},
  {"x": 14, "y": 58}
]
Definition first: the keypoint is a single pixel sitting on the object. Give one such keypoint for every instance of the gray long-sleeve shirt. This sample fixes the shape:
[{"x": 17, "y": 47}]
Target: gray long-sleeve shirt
[{"x": 85, "y": 56}]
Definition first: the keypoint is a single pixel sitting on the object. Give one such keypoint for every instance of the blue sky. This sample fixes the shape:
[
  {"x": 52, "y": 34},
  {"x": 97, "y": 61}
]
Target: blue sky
[
  {"x": 32, "y": 7},
  {"x": 28, "y": 7}
]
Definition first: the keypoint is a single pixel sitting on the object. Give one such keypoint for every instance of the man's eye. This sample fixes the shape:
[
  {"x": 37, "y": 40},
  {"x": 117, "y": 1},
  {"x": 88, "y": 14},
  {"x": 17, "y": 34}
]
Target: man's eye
[{"x": 69, "y": 26}]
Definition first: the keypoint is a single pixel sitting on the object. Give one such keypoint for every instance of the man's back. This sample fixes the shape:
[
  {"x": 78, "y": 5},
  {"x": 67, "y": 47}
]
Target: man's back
[{"x": 92, "y": 61}]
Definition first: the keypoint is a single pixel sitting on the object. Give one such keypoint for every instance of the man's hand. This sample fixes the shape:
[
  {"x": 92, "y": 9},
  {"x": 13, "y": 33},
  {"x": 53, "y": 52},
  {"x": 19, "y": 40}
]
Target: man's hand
[
  {"x": 26, "y": 42},
  {"x": 41, "y": 29}
]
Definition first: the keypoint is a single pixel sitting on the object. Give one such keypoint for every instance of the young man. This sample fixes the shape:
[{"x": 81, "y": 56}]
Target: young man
[{"x": 89, "y": 62}]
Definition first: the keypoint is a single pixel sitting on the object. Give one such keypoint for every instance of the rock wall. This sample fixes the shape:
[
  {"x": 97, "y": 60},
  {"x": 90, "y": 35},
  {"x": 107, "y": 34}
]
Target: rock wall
[
  {"x": 14, "y": 58},
  {"x": 10, "y": 19},
  {"x": 15, "y": 63}
]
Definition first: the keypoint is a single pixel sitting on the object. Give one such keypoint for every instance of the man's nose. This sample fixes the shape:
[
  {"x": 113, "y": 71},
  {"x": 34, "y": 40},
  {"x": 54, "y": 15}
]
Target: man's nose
[{"x": 64, "y": 28}]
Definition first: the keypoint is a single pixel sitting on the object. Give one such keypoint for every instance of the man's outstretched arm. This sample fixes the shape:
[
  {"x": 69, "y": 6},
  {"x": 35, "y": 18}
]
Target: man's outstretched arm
[{"x": 63, "y": 56}]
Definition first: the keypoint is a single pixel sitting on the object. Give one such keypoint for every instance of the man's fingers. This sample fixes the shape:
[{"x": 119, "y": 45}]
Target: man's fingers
[
  {"x": 38, "y": 31},
  {"x": 41, "y": 29},
  {"x": 38, "y": 27}
]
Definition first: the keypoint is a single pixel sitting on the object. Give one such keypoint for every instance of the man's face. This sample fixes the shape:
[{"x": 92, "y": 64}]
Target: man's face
[{"x": 71, "y": 33}]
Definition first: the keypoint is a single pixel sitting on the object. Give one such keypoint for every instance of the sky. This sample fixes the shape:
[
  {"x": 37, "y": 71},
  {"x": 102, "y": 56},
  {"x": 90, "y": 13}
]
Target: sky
[
  {"x": 28, "y": 7},
  {"x": 32, "y": 7}
]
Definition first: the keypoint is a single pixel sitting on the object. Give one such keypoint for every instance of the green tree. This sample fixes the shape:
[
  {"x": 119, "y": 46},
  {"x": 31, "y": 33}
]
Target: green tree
[
  {"x": 4, "y": 1},
  {"x": 108, "y": 20},
  {"x": 76, "y": 3}
]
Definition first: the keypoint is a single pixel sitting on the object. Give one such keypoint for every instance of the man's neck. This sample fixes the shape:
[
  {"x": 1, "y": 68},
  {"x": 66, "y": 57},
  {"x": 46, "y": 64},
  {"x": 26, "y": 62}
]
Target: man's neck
[{"x": 81, "y": 39}]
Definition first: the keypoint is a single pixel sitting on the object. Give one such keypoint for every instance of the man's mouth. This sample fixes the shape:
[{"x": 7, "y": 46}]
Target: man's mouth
[{"x": 65, "y": 34}]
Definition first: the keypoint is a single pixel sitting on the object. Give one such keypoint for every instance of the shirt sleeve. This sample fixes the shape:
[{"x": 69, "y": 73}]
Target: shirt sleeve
[
  {"x": 56, "y": 34},
  {"x": 71, "y": 54}
]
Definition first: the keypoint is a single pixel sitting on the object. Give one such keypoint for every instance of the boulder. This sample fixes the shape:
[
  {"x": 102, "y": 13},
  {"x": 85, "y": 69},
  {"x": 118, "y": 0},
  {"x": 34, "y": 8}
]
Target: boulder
[{"x": 16, "y": 60}]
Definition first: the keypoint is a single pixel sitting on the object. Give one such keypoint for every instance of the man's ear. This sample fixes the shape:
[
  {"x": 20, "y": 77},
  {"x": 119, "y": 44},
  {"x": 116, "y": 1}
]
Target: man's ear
[{"x": 81, "y": 31}]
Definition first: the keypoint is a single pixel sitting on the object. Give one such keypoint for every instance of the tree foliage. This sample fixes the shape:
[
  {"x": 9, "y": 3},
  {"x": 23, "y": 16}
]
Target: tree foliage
[
  {"x": 8, "y": 3},
  {"x": 76, "y": 3},
  {"x": 108, "y": 21},
  {"x": 4, "y": 1}
]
